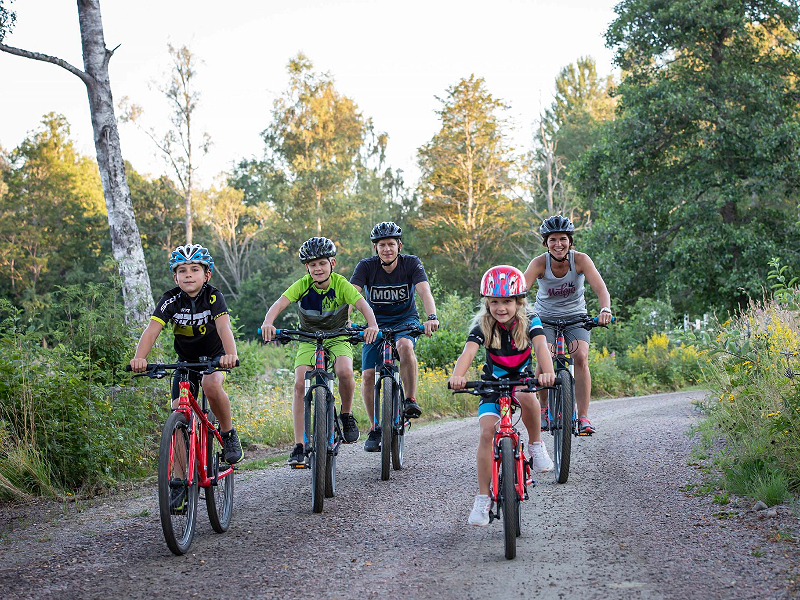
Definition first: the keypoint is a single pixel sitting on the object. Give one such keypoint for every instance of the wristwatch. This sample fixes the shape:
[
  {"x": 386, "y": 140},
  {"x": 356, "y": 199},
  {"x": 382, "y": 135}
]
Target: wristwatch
[
  {"x": 606, "y": 310},
  {"x": 432, "y": 317}
]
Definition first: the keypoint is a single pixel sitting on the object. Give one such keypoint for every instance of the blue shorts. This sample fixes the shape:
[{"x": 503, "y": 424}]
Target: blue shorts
[{"x": 371, "y": 353}]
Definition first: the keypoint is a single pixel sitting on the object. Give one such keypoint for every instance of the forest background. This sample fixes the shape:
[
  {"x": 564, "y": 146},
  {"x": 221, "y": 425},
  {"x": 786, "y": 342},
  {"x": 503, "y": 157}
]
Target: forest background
[{"x": 681, "y": 173}]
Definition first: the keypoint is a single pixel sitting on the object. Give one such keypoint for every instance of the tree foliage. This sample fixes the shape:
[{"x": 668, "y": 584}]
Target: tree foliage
[
  {"x": 698, "y": 172},
  {"x": 469, "y": 216}
]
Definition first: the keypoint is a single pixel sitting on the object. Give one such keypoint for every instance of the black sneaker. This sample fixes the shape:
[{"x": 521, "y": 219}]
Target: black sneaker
[
  {"x": 411, "y": 409},
  {"x": 178, "y": 498},
  {"x": 373, "y": 443},
  {"x": 297, "y": 457},
  {"x": 349, "y": 428},
  {"x": 232, "y": 449}
]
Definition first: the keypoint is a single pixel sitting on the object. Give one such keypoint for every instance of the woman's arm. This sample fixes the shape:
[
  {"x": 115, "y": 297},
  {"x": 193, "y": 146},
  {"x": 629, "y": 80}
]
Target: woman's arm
[
  {"x": 584, "y": 265},
  {"x": 535, "y": 270}
]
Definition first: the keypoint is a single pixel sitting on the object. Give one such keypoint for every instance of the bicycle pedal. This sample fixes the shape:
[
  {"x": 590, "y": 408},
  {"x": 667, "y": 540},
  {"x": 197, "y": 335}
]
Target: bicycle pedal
[{"x": 303, "y": 466}]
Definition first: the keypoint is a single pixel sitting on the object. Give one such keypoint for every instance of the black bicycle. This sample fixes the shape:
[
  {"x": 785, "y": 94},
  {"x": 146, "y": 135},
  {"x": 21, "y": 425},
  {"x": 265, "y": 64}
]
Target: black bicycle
[
  {"x": 562, "y": 409},
  {"x": 390, "y": 398},
  {"x": 322, "y": 434}
]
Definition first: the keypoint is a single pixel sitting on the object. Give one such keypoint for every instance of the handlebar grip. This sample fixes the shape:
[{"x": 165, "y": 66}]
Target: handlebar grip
[
  {"x": 259, "y": 331},
  {"x": 127, "y": 367},
  {"x": 596, "y": 320}
]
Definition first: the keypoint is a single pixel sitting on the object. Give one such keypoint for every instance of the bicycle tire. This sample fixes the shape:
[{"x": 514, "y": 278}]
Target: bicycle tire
[
  {"x": 219, "y": 495},
  {"x": 562, "y": 411},
  {"x": 319, "y": 448},
  {"x": 178, "y": 525},
  {"x": 387, "y": 425},
  {"x": 508, "y": 495},
  {"x": 398, "y": 432}
]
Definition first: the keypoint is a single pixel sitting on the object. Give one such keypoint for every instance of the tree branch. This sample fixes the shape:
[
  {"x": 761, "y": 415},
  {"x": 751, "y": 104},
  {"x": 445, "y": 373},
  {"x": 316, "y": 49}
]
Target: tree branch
[{"x": 47, "y": 58}]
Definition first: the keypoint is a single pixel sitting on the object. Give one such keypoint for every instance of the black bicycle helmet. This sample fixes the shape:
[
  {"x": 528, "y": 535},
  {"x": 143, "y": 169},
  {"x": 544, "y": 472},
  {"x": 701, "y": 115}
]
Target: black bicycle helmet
[
  {"x": 386, "y": 229},
  {"x": 556, "y": 224},
  {"x": 316, "y": 247}
]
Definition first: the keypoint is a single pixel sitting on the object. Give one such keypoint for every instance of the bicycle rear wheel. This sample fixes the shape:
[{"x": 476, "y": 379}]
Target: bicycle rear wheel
[
  {"x": 177, "y": 500},
  {"x": 219, "y": 496},
  {"x": 398, "y": 432},
  {"x": 319, "y": 448},
  {"x": 509, "y": 499},
  {"x": 387, "y": 424},
  {"x": 562, "y": 405}
]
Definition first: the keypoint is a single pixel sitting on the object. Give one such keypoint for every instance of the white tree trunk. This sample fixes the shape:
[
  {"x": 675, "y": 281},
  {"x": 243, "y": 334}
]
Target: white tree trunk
[{"x": 126, "y": 244}]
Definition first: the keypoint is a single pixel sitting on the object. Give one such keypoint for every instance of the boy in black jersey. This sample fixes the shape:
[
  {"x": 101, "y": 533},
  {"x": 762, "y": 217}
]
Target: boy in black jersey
[{"x": 202, "y": 329}]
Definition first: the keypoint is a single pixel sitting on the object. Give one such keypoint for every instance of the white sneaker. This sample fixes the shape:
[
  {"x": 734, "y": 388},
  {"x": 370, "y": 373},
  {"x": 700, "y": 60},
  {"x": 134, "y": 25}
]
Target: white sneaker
[
  {"x": 480, "y": 511},
  {"x": 541, "y": 460}
]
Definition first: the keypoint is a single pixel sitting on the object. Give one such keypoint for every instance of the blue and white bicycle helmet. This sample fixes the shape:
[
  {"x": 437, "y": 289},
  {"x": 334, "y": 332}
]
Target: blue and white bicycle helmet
[{"x": 191, "y": 254}]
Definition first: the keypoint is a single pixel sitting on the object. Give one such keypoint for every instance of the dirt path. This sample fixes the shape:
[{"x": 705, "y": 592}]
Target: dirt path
[{"x": 624, "y": 526}]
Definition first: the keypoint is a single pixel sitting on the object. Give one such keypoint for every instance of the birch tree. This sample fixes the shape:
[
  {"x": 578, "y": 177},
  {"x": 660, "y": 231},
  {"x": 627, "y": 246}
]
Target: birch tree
[{"x": 126, "y": 244}]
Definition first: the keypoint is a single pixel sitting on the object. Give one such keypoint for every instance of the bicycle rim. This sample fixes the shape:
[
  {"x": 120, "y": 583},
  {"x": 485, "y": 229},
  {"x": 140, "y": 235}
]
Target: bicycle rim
[
  {"x": 319, "y": 449},
  {"x": 219, "y": 495},
  {"x": 177, "y": 509},
  {"x": 387, "y": 425},
  {"x": 509, "y": 496}
]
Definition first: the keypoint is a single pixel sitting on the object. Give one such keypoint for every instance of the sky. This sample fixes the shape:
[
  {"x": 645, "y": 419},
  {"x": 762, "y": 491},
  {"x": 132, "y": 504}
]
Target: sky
[{"x": 392, "y": 58}]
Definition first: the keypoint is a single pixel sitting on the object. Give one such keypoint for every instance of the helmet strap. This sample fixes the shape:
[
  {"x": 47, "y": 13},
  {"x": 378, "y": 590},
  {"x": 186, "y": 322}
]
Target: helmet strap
[
  {"x": 389, "y": 264},
  {"x": 566, "y": 257}
]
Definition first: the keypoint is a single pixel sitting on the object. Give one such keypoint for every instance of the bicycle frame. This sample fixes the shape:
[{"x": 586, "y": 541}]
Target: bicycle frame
[
  {"x": 506, "y": 428},
  {"x": 321, "y": 377},
  {"x": 198, "y": 449},
  {"x": 390, "y": 369}
]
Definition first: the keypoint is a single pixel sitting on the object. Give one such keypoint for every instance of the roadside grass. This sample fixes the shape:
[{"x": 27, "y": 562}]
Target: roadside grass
[{"x": 751, "y": 431}]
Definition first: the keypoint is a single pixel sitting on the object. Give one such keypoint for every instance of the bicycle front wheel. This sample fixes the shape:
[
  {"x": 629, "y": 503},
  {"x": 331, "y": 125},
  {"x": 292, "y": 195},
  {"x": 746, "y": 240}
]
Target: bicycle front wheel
[
  {"x": 508, "y": 495},
  {"x": 219, "y": 496},
  {"x": 562, "y": 405},
  {"x": 319, "y": 448},
  {"x": 177, "y": 500},
  {"x": 387, "y": 425},
  {"x": 398, "y": 431}
]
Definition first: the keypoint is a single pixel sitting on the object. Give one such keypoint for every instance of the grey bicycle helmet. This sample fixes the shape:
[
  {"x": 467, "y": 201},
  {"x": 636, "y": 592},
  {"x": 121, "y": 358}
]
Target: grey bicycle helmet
[
  {"x": 386, "y": 229},
  {"x": 556, "y": 224},
  {"x": 316, "y": 247}
]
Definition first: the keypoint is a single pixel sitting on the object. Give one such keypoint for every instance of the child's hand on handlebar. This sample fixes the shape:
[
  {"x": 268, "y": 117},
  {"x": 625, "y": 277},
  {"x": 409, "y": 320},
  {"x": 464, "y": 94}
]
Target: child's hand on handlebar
[
  {"x": 546, "y": 379},
  {"x": 267, "y": 331},
  {"x": 228, "y": 361},
  {"x": 138, "y": 365},
  {"x": 457, "y": 383}
]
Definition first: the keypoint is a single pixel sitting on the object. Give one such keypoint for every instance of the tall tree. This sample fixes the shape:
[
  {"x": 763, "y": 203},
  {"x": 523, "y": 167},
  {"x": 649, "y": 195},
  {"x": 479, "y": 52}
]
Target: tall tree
[
  {"x": 696, "y": 176},
  {"x": 52, "y": 214},
  {"x": 179, "y": 144},
  {"x": 469, "y": 217},
  {"x": 125, "y": 243}
]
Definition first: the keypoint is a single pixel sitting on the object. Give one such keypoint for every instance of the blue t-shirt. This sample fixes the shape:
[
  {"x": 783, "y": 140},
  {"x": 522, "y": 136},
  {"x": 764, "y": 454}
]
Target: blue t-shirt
[{"x": 390, "y": 295}]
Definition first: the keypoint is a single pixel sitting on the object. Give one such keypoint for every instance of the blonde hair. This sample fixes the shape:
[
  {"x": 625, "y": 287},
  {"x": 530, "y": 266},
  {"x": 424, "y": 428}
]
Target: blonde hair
[{"x": 519, "y": 332}]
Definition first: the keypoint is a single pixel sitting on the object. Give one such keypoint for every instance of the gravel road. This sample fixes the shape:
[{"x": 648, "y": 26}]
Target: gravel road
[{"x": 625, "y": 525}]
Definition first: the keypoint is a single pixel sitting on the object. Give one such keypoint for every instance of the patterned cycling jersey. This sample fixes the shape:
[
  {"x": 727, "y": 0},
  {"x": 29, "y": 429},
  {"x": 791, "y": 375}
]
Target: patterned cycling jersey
[
  {"x": 193, "y": 321},
  {"x": 507, "y": 361},
  {"x": 322, "y": 310}
]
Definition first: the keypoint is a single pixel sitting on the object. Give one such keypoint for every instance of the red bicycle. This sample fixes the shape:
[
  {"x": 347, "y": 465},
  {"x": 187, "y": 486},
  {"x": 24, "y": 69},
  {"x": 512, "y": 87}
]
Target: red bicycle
[
  {"x": 511, "y": 471},
  {"x": 189, "y": 458}
]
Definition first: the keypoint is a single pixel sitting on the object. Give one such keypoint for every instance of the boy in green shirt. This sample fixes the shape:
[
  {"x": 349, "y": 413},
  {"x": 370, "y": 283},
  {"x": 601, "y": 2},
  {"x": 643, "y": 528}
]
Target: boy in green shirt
[{"x": 323, "y": 299}]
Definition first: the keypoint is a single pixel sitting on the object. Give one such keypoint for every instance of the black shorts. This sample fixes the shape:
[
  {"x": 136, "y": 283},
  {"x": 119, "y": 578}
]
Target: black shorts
[{"x": 194, "y": 379}]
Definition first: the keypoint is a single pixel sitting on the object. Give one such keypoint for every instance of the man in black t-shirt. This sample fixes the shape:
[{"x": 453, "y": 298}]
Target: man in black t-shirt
[
  {"x": 202, "y": 329},
  {"x": 388, "y": 281}
]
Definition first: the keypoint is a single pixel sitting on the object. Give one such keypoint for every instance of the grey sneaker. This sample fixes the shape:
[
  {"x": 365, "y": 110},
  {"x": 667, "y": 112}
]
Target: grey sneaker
[
  {"x": 373, "y": 443},
  {"x": 232, "y": 449},
  {"x": 298, "y": 456},
  {"x": 349, "y": 428}
]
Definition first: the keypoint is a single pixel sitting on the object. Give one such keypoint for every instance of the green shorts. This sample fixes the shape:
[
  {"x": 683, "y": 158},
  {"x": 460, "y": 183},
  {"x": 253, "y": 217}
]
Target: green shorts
[{"x": 335, "y": 348}]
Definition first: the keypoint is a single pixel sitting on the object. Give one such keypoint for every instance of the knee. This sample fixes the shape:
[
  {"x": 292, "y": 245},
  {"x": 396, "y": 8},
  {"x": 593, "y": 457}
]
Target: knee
[
  {"x": 406, "y": 350},
  {"x": 368, "y": 378}
]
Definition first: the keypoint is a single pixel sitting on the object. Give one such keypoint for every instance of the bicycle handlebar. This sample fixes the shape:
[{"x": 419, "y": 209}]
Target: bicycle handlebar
[
  {"x": 158, "y": 370},
  {"x": 501, "y": 385},
  {"x": 584, "y": 321},
  {"x": 284, "y": 336}
]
